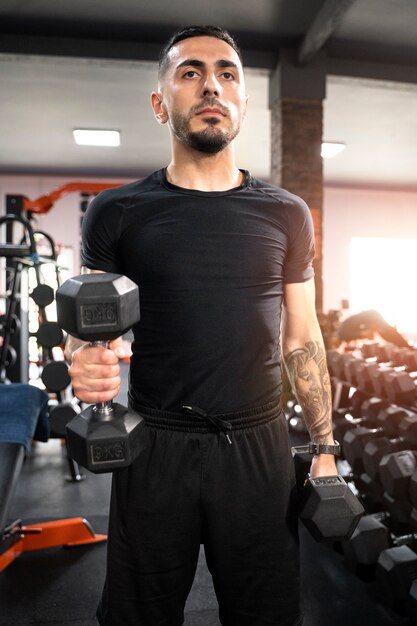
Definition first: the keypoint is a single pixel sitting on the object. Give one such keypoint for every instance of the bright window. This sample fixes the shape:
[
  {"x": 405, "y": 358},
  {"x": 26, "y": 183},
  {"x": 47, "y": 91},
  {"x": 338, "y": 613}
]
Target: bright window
[{"x": 383, "y": 276}]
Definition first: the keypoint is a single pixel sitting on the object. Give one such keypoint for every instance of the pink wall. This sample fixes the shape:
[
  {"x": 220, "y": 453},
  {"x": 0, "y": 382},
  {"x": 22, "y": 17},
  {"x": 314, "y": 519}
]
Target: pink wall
[
  {"x": 350, "y": 212},
  {"x": 63, "y": 220}
]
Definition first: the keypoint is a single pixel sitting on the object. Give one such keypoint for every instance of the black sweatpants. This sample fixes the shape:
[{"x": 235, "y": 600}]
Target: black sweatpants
[{"x": 192, "y": 486}]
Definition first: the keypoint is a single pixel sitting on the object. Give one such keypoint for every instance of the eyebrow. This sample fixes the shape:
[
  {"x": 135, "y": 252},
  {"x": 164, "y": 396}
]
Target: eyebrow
[{"x": 197, "y": 63}]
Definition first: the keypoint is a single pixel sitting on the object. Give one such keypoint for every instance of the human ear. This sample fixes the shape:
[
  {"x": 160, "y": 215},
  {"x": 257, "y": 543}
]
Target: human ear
[{"x": 158, "y": 106}]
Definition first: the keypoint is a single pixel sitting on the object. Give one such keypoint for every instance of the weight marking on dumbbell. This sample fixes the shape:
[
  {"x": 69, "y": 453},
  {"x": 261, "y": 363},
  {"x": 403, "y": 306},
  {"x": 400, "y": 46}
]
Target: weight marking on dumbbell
[
  {"x": 331, "y": 480},
  {"x": 105, "y": 453},
  {"x": 103, "y": 314}
]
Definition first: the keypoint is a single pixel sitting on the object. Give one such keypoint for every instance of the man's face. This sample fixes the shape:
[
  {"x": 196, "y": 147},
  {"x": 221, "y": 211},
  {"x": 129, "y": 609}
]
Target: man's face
[{"x": 202, "y": 95}]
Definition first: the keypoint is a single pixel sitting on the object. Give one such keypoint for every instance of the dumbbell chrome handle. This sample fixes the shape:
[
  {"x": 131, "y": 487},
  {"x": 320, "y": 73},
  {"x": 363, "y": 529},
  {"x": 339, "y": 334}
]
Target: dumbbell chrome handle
[{"x": 102, "y": 410}]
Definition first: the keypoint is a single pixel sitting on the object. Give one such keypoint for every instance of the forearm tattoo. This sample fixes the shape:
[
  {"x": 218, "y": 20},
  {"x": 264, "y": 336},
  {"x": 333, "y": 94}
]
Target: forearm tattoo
[{"x": 309, "y": 378}]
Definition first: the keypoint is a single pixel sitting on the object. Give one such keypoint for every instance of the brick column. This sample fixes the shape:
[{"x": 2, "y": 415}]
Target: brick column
[{"x": 296, "y": 102}]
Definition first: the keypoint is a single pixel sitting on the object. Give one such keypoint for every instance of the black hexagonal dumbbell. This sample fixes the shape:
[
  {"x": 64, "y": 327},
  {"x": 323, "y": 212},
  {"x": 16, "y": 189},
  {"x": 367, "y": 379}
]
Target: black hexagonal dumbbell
[
  {"x": 399, "y": 512},
  {"x": 376, "y": 449},
  {"x": 370, "y": 538},
  {"x": 354, "y": 442},
  {"x": 363, "y": 413},
  {"x": 396, "y": 571},
  {"x": 328, "y": 507},
  {"x": 401, "y": 388},
  {"x": 349, "y": 373},
  {"x": 365, "y": 373},
  {"x": 390, "y": 417},
  {"x": 355, "y": 438},
  {"x": 97, "y": 308},
  {"x": 396, "y": 470},
  {"x": 408, "y": 429},
  {"x": 335, "y": 363},
  {"x": 371, "y": 492}
]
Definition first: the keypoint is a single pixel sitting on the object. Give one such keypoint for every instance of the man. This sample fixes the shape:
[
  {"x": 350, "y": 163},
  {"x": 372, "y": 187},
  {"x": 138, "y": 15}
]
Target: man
[{"x": 214, "y": 253}]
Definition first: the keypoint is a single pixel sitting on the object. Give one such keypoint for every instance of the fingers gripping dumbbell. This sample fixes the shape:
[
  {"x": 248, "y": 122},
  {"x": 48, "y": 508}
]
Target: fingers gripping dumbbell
[
  {"x": 97, "y": 308},
  {"x": 328, "y": 507}
]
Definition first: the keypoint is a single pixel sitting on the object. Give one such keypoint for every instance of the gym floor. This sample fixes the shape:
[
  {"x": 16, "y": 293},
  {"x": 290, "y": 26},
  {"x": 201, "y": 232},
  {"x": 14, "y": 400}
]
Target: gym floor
[{"x": 63, "y": 586}]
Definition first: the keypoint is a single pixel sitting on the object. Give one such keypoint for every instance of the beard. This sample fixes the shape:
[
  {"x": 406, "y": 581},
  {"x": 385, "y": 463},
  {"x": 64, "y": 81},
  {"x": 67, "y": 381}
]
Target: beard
[{"x": 210, "y": 140}]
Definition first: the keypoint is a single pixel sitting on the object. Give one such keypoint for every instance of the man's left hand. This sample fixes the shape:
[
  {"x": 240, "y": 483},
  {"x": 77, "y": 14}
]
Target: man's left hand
[{"x": 323, "y": 465}]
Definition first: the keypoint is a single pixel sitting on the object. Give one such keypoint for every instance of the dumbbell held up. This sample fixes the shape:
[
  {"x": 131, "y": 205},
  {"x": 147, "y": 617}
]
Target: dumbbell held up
[{"x": 97, "y": 308}]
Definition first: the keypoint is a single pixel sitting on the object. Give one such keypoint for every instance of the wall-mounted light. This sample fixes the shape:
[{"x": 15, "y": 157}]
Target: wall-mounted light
[
  {"x": 330, "y": 149},
  {"x": 87, "y": 137}
]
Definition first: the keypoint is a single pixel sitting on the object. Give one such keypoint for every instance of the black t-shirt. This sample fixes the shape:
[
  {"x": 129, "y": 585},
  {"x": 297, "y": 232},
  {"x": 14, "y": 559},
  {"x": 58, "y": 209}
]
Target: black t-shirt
[{"x": 211, "y": 267}]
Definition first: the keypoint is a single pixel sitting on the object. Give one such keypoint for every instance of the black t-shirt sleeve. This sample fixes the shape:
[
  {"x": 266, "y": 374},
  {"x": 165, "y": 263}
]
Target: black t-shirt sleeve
[
  {"x": 100, "y": 233},
  {"x": 298, "y": 266}
]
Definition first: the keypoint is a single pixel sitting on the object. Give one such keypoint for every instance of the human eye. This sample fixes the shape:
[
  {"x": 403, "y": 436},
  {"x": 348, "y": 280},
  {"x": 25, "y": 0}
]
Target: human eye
[
  {"x": 190, "y": 74},
  {"x": 228, "y": 76}
]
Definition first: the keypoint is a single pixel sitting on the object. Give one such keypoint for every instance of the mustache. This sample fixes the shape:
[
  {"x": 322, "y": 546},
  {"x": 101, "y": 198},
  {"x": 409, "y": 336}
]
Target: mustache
[{"x": 210, "y": 103}]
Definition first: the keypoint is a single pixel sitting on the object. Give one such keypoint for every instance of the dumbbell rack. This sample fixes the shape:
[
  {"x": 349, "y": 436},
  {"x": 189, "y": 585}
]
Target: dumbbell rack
[
  {"x": 20, "y": 258},
  {"x": 395, "y": 567},
  {"x": 15, "y": 255}
]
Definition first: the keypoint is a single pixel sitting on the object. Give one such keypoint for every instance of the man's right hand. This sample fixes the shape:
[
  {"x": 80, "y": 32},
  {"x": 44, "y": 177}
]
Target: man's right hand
[{"x": 95, "y": 372}]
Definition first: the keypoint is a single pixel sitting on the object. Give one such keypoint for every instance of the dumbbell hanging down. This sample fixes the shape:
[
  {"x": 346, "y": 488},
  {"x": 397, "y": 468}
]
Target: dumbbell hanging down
[
  {"x": 328, "y": 508},
  {"x": 97, "y": 308},
  {"x": 371, "y": 493}
]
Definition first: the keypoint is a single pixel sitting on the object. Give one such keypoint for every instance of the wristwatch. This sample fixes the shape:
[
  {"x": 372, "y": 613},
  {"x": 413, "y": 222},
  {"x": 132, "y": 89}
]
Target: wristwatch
[{"x": 324, "y": 448}]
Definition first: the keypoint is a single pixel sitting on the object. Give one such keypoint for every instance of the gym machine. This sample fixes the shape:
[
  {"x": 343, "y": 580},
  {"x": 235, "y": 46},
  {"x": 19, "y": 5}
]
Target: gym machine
[
  {"x": 24, "y": 406},
  {"x": 19, "y": 207}
]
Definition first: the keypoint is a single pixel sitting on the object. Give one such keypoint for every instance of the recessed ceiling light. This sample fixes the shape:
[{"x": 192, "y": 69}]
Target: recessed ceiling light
[
  {"x": 331, "y": 149},
  {"x": 85, "y": 137}
]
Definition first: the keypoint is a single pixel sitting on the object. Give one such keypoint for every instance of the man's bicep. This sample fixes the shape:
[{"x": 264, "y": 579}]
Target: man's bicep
[{"x": 299, "y": 319}]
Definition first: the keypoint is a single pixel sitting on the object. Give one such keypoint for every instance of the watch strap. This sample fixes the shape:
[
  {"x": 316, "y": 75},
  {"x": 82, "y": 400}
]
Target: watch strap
[{"x": 324, "y": 448}]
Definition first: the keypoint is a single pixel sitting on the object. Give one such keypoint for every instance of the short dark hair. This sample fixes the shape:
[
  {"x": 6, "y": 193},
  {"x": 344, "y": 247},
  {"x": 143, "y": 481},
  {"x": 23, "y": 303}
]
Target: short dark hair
[{"x": 194, "y": 31}]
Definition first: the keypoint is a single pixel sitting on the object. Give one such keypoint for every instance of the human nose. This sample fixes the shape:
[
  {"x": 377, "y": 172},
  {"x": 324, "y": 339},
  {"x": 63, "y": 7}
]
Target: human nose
[{"x": 211, "y": 86}]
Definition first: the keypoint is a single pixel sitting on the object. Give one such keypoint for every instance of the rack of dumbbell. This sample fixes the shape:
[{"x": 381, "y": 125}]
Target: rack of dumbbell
[
  {"x": 47, "y": 368},
  {"x": 375, "y": 420}
]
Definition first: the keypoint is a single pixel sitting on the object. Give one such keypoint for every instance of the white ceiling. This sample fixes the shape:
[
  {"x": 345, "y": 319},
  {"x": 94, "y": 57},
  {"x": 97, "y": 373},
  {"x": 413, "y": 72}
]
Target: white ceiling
[
  {"x": 378, "y": 123},
  {"x": 54, "y": 78}
]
